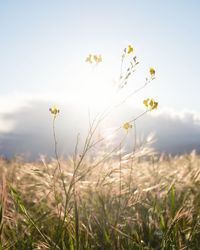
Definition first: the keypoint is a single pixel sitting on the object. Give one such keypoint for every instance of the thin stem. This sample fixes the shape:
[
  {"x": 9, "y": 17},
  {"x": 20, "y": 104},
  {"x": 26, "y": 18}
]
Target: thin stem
[{"x": 62, "y": 179}]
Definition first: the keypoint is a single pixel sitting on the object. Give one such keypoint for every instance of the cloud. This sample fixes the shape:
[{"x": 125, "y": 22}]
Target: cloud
[
  {"x": 176, "y": 132},
  {"x": 26, "y": 128}
]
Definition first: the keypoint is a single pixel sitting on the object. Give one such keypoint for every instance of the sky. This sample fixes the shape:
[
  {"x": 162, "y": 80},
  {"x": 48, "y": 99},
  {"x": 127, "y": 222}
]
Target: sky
[{"x": 43, "y": 45}]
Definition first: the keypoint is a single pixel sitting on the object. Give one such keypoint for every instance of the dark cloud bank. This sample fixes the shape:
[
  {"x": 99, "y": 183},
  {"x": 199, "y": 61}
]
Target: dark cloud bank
[{"x": 32, "y": 133}]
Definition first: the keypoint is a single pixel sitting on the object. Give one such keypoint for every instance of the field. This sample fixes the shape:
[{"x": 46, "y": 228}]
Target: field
[
  {"x": 99, "y": 125},
  {"x": 127, "y": 201},
  {"x": 103, "y": 196}
]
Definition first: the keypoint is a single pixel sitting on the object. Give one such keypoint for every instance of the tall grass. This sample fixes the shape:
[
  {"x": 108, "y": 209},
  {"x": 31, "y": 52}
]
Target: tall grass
[
  {"x": 159, "y": 209},
  {"x": 105, "y": 198}
]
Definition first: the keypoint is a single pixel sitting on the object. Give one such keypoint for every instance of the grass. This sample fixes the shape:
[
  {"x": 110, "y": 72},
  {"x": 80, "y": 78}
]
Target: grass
[
  {"x": 158, "y": 209},
  {"x": 102, "y": 197}
]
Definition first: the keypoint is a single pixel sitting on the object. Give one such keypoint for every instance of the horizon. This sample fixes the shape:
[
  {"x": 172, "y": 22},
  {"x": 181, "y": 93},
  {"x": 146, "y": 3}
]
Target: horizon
[{"x": 43, "y": 47}]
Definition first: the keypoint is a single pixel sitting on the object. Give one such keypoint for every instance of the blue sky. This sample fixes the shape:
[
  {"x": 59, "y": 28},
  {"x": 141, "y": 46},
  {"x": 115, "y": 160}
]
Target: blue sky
[{"x": 43, "y": 44}]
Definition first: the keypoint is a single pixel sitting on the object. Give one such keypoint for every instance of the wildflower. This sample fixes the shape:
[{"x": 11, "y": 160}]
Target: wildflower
[
  {"x": 54, "y": 110},
  {"x": 93, "y": 58},
  {"x": 146, "y": 102},
  {"x": 97, "y": 59},
  {"x": 129, "y": 49},
  {"x": 152, "y": 71},
  {"x": 127, "y": 125},
  {"x": 89, "y": 58},
  {"x": 155, "y": 105},
  {"x": 150, "y": 103}
]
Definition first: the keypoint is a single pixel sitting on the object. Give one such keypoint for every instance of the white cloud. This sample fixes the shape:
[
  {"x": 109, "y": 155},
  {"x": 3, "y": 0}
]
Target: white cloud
[
  {"x": 26, "y": 126},
  {"x": 175, "y": 131}
]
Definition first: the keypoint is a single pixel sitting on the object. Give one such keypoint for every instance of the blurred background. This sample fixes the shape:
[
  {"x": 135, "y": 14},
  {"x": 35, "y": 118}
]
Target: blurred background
[{"x": 43, "y": 46}]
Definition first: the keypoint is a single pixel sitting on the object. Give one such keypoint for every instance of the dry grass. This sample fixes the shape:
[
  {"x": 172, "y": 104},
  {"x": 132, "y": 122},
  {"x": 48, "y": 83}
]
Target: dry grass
[
  {"x": 124, "y": 203},
  {"x": 102, "y": 199}
]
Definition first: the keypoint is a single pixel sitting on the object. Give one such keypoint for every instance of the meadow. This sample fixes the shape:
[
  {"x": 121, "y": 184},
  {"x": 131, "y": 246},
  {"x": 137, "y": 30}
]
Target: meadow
[
  {"x": 102, "y": 197},
  {"x": 140, "y": 203}
]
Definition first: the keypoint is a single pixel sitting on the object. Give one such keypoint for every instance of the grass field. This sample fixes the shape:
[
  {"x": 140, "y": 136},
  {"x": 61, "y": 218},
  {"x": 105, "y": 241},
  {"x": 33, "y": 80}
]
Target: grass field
[
  {"x": 124, "y": 202},
  {"x": 102, "y": 197},
  {"x": 99, "y": 114}
]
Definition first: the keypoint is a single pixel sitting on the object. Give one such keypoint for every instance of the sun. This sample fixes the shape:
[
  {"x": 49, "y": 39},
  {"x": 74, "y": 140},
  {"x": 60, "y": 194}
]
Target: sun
[
  {"x": 95, "y": 96},
  {"x": 92, "y": 90}
]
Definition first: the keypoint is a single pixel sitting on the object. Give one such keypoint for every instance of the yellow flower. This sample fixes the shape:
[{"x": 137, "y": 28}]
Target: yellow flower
[
  {"x": 93, "y": 58},
  {"x": 155, "y": 105},
  {"x": 89, "y": 58},
  {"x": 146, "y": 102},
  {"x": 97, "y": 58},
  {"x": 100, "y": 58},
  {"x": 152, "y": 71},
  {"x": 129, "y": 49},
  {"x": 127, "y": 125},
  {"x": 150, "y": 103},
  {"x": 54, "y": 110}
]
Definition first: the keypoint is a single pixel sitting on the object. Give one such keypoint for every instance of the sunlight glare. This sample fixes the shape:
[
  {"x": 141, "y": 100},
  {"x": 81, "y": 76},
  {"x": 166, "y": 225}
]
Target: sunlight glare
[{"x": 94, "y": 92}]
